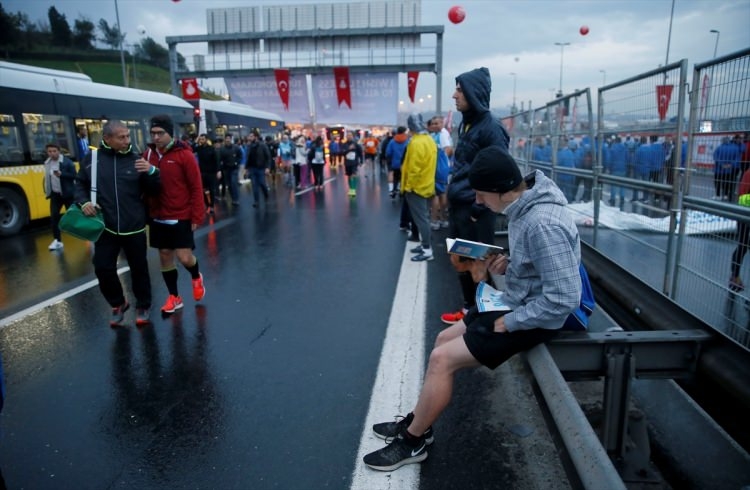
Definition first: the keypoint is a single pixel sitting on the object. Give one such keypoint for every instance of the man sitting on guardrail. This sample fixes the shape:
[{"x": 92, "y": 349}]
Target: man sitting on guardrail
[{"x": 542, "y": 287}]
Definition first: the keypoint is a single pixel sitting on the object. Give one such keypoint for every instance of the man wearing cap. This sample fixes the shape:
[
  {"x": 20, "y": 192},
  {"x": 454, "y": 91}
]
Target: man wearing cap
[
  {"x": 542, "y": 287},
  {"x": 177, "y": 211},
  {"x": 478, "y": 129}
]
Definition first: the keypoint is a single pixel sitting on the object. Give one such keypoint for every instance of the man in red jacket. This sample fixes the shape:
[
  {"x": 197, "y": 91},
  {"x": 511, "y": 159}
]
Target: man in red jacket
[{"x": 177, "y": 211}]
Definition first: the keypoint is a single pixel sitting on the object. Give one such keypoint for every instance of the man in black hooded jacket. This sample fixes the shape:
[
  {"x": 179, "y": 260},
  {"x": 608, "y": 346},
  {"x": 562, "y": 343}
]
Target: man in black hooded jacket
[
  {"x": 123, "y": 180},
  {"x": 478, "y": 130}
]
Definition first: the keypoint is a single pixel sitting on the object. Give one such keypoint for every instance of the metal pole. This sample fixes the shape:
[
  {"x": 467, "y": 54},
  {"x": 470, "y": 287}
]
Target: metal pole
[
  {"x": 513, "y": 107},
  {"x": 716, "y": 44},
  {"x": 562, "y": 49},
  {"x": 669, "y": 37},
  {"x": 122, "y": 53}
]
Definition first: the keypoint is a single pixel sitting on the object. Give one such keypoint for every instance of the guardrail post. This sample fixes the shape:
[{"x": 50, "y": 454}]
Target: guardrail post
[{"x": 620, "y": 371}]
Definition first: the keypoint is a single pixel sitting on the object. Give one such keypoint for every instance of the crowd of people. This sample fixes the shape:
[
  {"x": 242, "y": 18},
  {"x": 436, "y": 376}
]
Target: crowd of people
[
  {"x": 647, "y": 158},
  {"x": 460, "y": 187}
]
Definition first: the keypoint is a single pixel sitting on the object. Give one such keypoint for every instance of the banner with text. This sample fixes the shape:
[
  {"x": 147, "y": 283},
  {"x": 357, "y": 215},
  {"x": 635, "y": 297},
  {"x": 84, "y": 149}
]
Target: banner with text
[
  {"x": 262, "y": 93},
  {"x": 374, "y": 99}
]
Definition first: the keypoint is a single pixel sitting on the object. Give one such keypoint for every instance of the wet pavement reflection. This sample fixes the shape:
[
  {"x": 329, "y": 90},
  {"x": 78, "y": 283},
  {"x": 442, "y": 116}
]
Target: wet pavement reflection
[{"x": 264, "y": 384}]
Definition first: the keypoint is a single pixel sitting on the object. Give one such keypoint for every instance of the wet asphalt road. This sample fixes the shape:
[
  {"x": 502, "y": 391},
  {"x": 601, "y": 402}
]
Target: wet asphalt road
[{"x": 264, "y": 384}]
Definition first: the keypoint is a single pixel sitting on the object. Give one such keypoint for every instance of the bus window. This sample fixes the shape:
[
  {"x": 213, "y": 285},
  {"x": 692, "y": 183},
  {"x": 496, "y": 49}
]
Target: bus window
[
  {"x": 137, "y": 136},
  {"x": 10, "y": 143},
  {"x": 44, "y": 128}
]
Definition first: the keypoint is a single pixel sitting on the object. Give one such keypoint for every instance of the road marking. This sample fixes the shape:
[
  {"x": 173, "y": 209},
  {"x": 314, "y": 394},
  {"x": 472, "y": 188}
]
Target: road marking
[
  {"x": 399, "y": 376},
  {"x": 4, "y": 322}
]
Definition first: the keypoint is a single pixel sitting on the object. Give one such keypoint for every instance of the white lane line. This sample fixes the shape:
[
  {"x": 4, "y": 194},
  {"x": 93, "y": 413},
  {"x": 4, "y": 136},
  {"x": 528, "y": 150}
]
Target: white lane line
[
  {"x": 399, "y": 375},
  {"x": 4, "y": 322}
]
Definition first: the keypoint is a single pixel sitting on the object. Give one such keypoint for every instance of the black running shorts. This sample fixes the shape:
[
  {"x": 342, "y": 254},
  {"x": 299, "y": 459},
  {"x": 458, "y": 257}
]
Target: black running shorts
[
  {"x": 350, "y": 169},
  {"x": 492, "y": 348},
  {"x": 171, "y": 237}
]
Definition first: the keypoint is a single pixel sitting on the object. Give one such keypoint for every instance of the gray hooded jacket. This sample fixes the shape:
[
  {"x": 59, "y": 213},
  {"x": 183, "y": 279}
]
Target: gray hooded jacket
[{"x": 543, "y": 284}]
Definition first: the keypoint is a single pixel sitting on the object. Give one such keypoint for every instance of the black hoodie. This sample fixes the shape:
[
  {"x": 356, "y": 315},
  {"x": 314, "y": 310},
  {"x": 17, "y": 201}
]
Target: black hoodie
[{"x": 478, "y": 130}]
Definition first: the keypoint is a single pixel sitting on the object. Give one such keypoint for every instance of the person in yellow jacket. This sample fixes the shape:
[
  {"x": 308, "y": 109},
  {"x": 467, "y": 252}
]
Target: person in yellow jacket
[
  {"x": 418, "y": 182},
  {"x": 743, "y": 235}
]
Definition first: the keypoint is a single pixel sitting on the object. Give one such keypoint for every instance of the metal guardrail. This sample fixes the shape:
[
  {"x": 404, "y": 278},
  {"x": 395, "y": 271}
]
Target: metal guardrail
[
  {"x": 618, "y": 357},
  {"x": 594, "y": 468}
]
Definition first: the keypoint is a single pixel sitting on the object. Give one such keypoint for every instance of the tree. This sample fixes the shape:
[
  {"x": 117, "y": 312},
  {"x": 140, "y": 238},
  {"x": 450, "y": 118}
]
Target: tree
[
  {"x": 154, "y": 52},
  {"x": 83, "y": 34},
  {"x": 111, "y": 36},
  {"x": 58, "y": 24},
  {"x": 10, "y": 28}
]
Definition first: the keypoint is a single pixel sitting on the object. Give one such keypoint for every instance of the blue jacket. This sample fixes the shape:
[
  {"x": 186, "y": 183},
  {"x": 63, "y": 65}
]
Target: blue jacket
[
  {"x": 396, "y": 149},
  {"x": 641, "y": 161},
  {"x": 479, "y": 129},
  {"x": 726, "y": 158},
  {"x": 618, "y": 159}
]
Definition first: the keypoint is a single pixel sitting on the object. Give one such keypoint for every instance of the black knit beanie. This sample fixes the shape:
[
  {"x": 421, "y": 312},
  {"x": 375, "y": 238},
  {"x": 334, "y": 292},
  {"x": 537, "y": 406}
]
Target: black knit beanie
[
  {"x": 494, "y": 170},
  {"x": 164, "y": 122}
]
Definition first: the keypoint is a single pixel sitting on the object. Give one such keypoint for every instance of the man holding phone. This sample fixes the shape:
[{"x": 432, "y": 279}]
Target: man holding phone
[{"x": 59, "y": 187}]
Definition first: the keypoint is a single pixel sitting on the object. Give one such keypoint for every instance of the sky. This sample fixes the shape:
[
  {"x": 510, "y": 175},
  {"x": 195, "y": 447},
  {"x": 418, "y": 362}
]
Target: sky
[{"x": 625, "y": 38}]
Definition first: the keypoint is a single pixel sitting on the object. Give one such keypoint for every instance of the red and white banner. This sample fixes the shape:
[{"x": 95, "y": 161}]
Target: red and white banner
[
  {"x": 411, "y": 79},
  {"x": 190, "y": 89},
  {"x": 375, "y": 96},
  {"x": 663, "y": 96},
  {"x": 282, "y": 86},
  {"x": 262, "y": 93},
  {"x": 343, "y": 89}
]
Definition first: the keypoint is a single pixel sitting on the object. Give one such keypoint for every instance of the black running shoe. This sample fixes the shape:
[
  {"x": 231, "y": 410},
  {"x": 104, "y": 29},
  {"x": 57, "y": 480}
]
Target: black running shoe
[
  {"x": 389, "y": 430},
  {"x": 396, "y": 454}
]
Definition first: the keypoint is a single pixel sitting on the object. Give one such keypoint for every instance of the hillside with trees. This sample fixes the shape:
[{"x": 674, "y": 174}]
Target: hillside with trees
[{"x": 85, "y": 47}]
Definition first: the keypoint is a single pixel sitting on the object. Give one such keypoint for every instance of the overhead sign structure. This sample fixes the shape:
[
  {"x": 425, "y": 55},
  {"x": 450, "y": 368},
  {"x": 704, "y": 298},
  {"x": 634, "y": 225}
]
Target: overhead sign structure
[{"x": 253, "y": 49}]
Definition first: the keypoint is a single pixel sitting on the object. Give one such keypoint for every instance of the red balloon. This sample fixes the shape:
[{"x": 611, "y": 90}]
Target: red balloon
[
  {"x": 584, "y": 30},
  {"x": 456, "y": 14}
]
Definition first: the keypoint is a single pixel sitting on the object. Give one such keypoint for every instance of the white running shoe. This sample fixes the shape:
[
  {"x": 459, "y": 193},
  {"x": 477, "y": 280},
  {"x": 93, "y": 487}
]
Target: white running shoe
[{"x": 55, "y": 245}]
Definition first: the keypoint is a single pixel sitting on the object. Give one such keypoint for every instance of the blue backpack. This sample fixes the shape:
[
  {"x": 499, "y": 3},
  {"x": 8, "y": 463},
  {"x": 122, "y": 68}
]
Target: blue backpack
[{"x": 579, "y": 319}]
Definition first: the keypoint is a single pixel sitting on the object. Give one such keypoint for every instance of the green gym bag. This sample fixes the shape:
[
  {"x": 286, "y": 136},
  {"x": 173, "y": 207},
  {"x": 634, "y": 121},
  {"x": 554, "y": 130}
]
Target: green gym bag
[{"x": 77, "y": 224}]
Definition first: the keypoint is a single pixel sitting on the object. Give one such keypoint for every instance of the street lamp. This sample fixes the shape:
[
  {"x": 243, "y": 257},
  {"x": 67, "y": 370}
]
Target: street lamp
[
  {"x": 562, "y": 49},
  {"x": 513, "y": 107},
  {"x": 716, "y": 44},
  {"x": 604, "y": 77},
  {"x": 122, "y": 52}
]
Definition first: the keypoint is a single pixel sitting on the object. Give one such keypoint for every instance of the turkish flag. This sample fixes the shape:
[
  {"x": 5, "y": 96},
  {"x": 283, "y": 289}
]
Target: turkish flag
[
  {"x": 411, "y": 78},
  {"x": 282, "y": 85},
  {"x": 663, "y": 95},
  {"x": 190, "y": 89},
  {"x": 343, "y": 89}
]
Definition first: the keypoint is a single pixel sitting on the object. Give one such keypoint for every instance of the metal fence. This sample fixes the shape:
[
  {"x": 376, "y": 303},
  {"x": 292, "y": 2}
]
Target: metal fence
[{"x": 642, "y": 178}]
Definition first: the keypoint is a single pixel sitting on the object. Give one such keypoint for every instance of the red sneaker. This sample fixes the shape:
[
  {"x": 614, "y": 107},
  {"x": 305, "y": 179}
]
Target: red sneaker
[
  {"x": 199, "y": 290},
  {"x": 451, "y": 318},
  {"x": 172, "y": 304}
]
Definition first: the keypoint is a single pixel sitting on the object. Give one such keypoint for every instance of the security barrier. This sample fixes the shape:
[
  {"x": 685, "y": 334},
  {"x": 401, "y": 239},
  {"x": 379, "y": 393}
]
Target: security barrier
[{"x": 642, "y": 180}]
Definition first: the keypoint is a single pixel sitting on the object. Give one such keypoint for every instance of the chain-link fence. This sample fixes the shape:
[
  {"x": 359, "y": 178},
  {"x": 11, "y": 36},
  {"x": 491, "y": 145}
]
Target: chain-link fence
[{"x": 654, "y": 190}]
